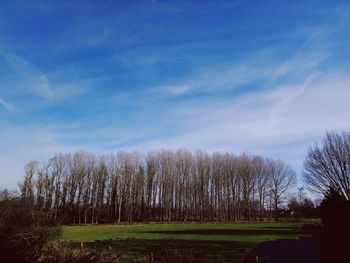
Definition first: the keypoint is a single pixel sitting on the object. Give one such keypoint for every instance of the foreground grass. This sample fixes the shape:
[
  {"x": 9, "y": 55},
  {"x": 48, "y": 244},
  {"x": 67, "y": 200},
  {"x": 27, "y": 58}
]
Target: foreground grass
[{"x": 208, "y": 242}]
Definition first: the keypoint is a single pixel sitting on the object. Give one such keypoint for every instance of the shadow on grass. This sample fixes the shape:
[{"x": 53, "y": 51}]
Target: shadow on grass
[
  {"x": 304, "y": 250},
  {"x": 269, "y": 230},
  {"x": 314, "y": 247},
  {"x": 177, "y": 250},
  {"x": 229, "y": 232}
]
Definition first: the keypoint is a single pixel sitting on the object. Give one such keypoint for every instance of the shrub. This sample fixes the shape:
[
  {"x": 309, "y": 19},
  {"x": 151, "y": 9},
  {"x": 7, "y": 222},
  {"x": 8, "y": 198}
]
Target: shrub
[
  {"x": 24, "y": 230},
  {"x": 335, "y": 213}
]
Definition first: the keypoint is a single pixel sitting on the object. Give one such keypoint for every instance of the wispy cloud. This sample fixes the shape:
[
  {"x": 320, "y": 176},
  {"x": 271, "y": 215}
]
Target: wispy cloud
[
  {"x": 267, "y": 79},
  {"x": 6, "y": 105},
  {"x": 21, "y": 144},
  {"x": 214, "y": 80},
  {"x": 91, "y": 34},
  {"x": 263, "y": 66},
  {"x": 264, "y": 122},
  {"x": 28, "y": 77},
  {"x": 269, "y": 65},
  {"x": 278, "y": 123}
]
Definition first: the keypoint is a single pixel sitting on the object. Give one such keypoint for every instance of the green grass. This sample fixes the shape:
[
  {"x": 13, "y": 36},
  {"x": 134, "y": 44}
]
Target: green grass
[
  {"x": 242, "y": 232},
  {"x": 227, "y": 242}
]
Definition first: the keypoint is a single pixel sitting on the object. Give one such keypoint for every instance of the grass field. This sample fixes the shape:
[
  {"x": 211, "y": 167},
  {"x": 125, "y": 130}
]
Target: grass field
[{"x": 209, "y": 242}]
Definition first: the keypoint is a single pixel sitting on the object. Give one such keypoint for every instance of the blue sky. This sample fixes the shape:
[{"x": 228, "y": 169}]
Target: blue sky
[{"x": 264, "y": 77}]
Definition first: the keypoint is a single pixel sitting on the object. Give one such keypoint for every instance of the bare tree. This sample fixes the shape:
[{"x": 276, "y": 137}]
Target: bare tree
[
  {"x": 328, "y": 166},
  {"x": 262, "y": 177},
  {"x": 282, "y": 178},
  {"x": 164, "y": 186},
  {"x": 27, "y": 187}
]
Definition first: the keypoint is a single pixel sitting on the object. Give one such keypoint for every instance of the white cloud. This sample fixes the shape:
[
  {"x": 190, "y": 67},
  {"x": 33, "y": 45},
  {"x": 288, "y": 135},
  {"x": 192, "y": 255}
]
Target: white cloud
[
  {"x": 212, "y": 80},
  {"x": 28, "y": 79},
  {"x": 6, "y": 105},
  {"x": 280, "y": 123},
  {"x": 265, "y": 66},
  {"x": 20, "y": 144},
  {"x": 177, "y": 90},
  {"x": 295, "y": 102}
]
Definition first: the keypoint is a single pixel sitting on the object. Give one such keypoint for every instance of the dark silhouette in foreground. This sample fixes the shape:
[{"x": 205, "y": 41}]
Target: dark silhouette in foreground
[
  {"x": 24, "y": 230},
  {"x": 305, "y": 250}
]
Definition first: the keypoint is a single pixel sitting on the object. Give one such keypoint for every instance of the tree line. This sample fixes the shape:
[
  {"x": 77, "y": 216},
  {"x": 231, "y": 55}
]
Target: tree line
[{"x": 159, "y": 186}]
